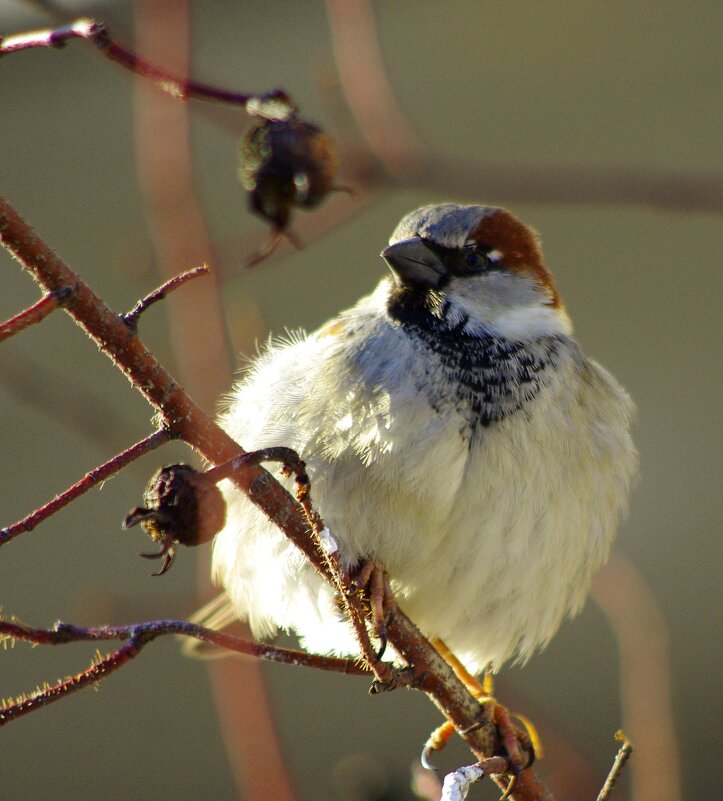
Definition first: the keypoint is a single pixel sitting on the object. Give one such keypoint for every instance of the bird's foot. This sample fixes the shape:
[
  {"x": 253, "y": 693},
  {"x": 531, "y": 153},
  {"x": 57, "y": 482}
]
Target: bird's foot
[
  {"x": 520, "y": 745},
  {"x": 371, "y": 579}
]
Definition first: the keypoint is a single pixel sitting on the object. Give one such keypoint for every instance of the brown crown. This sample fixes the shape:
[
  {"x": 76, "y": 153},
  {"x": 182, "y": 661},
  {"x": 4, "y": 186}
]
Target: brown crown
[{"x": 519, "y": 246}]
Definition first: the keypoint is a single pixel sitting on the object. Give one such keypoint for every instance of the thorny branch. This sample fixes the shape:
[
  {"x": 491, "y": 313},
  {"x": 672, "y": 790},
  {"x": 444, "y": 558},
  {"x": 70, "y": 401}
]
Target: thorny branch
[
  {"x": 89, "y": 480},
  {"x": 184, "y": 420},
  {"x": 180, "y": 415},
  {"x": 136, "y": 636},
  {"x": 131, "y": 318},
  {"x": 47, "y": 303}
]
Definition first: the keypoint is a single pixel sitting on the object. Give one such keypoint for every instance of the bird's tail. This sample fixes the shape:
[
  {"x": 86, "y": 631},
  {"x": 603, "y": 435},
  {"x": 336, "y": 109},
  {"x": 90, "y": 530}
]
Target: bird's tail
[{"x": 217, "y": 614}]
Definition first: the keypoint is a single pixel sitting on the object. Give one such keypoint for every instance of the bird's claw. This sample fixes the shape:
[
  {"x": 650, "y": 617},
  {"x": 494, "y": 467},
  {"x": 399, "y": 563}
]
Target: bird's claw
[
  {"x": 510, "y": 787},
  {"x": 400, "y": 677},
  {"x": 371, "y": 578},
  {"x": 425, "y": 757},
  {"x": 382, "y": 637}
]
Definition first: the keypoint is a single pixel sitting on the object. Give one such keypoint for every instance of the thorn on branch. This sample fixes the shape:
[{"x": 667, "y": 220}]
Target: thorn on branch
[
  {"x": 37, "y": 312},
  {"x": 132, "y": 317}
]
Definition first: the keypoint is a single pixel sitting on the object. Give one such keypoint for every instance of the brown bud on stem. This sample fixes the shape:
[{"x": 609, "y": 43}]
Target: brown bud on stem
[
  {"x": 286, "y": 164},
  {"x": 183, "y": 507}
]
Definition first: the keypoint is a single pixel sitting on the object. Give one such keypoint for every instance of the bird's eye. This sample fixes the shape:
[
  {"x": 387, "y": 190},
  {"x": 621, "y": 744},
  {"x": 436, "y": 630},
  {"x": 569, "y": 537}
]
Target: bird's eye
[{"x": 474, "y": 260}]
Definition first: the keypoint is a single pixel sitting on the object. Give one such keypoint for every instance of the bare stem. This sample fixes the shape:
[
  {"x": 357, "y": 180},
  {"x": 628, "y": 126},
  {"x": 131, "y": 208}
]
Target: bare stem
[
  {"x": 35, "y": 313},
  {"x": 137, "y": 636},
  {"x": 131, "y": 318},
  {"x": 89, "y": 480},
  {"x": 275, "y": 104},
  {"x": 620, "y": 759}
]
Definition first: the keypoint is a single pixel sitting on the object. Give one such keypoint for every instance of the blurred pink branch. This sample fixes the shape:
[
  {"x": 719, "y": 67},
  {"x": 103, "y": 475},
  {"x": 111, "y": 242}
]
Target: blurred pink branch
[
  {"x": 176, "y": 223},
  {"x": 367, "y": 88},
  {"x": 408, "y": 161},
  {"x": 178, "y": 230},
  {"x": 646, "y": 685}
]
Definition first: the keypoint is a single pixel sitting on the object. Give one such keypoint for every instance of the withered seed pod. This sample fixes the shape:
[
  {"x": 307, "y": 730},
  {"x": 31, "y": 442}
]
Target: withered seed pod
[
  {"x": 183, "y": 507},
  {"x": 285, "y": 164}
]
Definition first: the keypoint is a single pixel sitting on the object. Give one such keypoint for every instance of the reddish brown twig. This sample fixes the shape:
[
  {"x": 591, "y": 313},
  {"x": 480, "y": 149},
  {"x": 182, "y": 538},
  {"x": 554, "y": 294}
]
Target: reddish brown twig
[
  {"x": 274, "y": 105},
  {"x": 620, "y": 759},
  {"x": 138, "y": 635},
  {"x": 131, "y": 318},
  {"x": 89, "y": 480},
  {"x": 35, "y": 313}
]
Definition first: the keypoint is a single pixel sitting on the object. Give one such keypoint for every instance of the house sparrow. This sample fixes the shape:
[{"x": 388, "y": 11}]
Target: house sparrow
[{"x": 454, "y": 432}]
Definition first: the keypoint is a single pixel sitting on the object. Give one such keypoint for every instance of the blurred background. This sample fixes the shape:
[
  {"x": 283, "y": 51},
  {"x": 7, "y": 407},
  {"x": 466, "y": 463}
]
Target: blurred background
[{"x": 599, "y": 124}]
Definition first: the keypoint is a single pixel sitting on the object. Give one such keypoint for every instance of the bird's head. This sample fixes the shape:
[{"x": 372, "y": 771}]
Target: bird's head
[{"x": 475, "y": 269}]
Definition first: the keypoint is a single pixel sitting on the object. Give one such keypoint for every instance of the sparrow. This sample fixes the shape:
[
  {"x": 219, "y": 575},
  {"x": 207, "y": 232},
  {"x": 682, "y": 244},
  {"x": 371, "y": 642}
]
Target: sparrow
[{"x": 454, "y": 432}]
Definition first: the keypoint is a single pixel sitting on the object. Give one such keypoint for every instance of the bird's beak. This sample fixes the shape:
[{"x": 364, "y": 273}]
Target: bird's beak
[{"x": 413, "y": 263}]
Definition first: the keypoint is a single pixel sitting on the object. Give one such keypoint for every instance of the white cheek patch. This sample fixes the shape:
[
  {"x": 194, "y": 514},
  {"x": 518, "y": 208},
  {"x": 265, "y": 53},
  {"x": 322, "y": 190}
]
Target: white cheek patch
[
  {"x": 495, "y": 256},
  {"x": 525, "y": 322},
  {"x": 512, "y": 306}
]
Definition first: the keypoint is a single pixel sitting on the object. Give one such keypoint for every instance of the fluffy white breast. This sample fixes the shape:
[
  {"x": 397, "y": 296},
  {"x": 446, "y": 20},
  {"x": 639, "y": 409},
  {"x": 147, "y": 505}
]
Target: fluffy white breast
[{"x": 490, "y": 533}]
